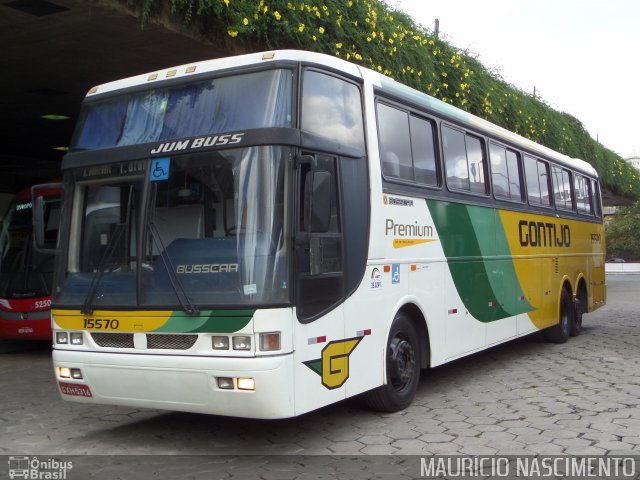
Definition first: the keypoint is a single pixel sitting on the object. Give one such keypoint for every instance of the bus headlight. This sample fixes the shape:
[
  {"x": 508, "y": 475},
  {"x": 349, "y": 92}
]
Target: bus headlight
[
  {"x": 220, "y": 343},
  {"x": 62, "y": 338},
  {"x": 76, "y": 338},
  {"x": 242, "y": 342}
]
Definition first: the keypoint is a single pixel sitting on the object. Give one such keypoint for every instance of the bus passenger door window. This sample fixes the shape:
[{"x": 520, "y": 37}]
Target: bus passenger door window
[{"x": 319, "y": 256}]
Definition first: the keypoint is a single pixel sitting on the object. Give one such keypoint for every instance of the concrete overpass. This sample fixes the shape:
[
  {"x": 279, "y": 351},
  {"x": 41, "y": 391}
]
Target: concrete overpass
[{"x": 51, "y": 53}]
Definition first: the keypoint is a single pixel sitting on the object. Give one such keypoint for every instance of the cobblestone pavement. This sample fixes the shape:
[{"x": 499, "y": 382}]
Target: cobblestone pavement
[{"x": 526, "y": 397}]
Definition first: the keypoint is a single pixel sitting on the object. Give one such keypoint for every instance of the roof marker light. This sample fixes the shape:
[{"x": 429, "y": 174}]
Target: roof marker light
[
  {"x": 191, "y": 69},
  {"x": 153, "y": 76},
  {"x": 171, "y": 73},
  {"x": 93, "y": 90},
  {"x": 268, "y": 56}
]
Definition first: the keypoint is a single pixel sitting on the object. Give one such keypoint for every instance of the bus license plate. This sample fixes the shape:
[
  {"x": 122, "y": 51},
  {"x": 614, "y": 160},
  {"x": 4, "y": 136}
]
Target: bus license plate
[{"x": 75, "y": 389}]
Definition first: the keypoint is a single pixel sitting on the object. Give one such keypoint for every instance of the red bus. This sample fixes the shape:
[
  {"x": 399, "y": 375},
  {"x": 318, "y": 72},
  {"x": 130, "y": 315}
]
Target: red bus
[{"x": 25, "y": 273}]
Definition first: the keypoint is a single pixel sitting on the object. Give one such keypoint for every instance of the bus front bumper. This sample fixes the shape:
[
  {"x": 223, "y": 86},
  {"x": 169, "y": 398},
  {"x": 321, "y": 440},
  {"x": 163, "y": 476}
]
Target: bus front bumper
[{"x": 181, "y": 383}]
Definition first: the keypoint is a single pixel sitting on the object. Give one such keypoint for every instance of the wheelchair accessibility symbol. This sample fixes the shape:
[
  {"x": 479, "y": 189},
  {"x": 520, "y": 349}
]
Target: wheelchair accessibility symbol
[{"x": 160, "y": 169}]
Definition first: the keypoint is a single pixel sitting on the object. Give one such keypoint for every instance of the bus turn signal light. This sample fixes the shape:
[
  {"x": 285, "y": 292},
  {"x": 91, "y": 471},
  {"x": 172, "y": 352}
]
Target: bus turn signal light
[{"x": 270, "y": 342}]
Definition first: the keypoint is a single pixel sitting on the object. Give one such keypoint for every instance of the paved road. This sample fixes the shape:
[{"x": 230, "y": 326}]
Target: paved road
[{"x": 525, "y": 397}]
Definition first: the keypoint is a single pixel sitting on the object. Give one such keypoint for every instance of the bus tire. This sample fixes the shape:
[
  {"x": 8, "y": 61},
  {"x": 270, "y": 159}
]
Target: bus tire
[
  {"x": 579, "y": 306},
  {"x": 402, "y": 359},
  {"x": 560, "y": 332}
]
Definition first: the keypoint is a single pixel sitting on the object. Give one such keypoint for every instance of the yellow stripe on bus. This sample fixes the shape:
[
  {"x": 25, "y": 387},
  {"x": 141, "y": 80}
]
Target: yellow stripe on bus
[{"x": 111, "y": 320}]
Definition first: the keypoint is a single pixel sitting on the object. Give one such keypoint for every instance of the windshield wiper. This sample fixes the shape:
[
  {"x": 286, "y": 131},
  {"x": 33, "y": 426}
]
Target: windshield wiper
[
  {"x": 87, "y": 308},
  {"x": 114, "y": 241},
  {"x": 176, "y": 284}
]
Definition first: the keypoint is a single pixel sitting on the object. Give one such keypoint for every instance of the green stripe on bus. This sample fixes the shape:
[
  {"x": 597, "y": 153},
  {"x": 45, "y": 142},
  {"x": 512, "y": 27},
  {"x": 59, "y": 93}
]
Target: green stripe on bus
[
  {"x": 477, "y": 252},
  {"x": 208, "y": 321}
]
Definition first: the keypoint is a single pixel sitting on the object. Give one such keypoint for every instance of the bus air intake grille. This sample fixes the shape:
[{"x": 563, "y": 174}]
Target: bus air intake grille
[
  {"x": 113, "y": 340},
  {"x": 170, "y": 342}
]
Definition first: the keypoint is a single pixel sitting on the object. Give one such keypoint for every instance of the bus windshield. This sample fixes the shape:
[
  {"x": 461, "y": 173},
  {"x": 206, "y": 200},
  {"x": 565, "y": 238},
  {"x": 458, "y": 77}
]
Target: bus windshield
[
  {"x": 25, "y": 273},
  {"x": 239, "y": 102},
  {"x": 211, "y": 232}
]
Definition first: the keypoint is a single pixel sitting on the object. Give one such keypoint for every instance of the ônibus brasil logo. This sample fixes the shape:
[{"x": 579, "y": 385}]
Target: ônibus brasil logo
[{"x": 33, "y": 468}]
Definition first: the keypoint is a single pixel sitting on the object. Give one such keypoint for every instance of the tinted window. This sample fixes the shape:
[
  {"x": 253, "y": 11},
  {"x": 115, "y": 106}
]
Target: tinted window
[
  {"x": 464, "y": 159},
  {"x": 424, "y": 154},
  {"x": 331, "y": 108},
  {"x": 583, "y": 193},
  {"x": 562, "y": 188},
  {"x": 597, "y": 205},
  {"x": 395, "y": 143},
  {"x": 499, "y": 170},
  {"x": 455, "y": 157},
  {"x": 513, "y": 163},
  {"x": 475, "y": 157},
  {"x": 505, "y": 172},
  {"x": 406, "y": 146},
  {"x": 537, "y": 177},
  {"x": 238, "y": 102}
]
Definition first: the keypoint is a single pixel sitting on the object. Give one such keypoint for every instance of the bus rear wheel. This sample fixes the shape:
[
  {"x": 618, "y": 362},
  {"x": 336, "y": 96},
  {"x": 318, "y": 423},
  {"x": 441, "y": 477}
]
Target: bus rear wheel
[
  {"x": 579, "y": 307},
  {"x": 402, "y": 360},
  {"x": 560, "y": 332}
]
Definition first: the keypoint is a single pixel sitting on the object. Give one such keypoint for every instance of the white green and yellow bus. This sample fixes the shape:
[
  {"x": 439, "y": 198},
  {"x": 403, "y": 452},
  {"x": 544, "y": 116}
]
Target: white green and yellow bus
[{"x": 263, "y": 235}]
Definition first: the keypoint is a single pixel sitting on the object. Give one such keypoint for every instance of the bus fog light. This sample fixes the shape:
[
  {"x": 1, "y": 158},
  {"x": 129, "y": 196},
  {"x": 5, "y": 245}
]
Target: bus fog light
[
  {"x": 220, "y": 343},
  {"x": 76, "y": 338},
  {"x": 242, "y": 343},
  {"x": 246, "y": 384},
  {"x": 62, "y": 338},
  {"x": 270, "y": 341},
  {"x": 225, "y": 383},
  {"x": 76, "y": 373},
  {"x": 64, "y": 372}
]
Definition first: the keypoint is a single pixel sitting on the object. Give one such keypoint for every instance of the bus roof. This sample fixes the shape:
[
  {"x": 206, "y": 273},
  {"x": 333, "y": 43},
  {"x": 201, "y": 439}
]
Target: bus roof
[{"x": 384, "y": 83}]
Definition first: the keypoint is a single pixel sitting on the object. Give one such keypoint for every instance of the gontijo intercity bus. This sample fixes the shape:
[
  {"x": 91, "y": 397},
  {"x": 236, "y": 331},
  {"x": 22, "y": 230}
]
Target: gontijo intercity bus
[{"x": 263, "y": 235}]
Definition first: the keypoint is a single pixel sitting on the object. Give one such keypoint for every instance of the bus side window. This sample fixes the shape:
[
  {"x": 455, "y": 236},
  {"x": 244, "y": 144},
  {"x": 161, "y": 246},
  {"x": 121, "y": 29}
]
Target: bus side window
[
  {"x": 537, "y": 177},
  {"x": 597, "y": 203},
  {"x": 423, "y": 150},
  {"x": 332, "y": 108},
  {"x": 395, "y": 142},
  {"x": 562, "y": 188},
  {"x": 505, "y": 172},
  {"x": 464, "y": 161},
  {"x": 583, "y": 194}
]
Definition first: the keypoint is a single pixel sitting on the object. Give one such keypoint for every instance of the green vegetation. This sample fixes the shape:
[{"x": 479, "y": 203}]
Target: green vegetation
[
  {"x": 623, "y": 233},
  {"x": 372, "y": 34}
]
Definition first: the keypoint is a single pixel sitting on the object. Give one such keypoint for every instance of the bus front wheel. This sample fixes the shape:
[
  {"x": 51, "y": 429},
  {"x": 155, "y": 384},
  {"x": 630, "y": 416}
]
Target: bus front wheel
[{"x": 402, "y": 359}]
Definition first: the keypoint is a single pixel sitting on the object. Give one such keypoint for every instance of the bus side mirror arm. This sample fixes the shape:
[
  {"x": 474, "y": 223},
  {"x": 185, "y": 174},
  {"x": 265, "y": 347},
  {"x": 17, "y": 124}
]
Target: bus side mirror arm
[{"x": 37, "y": 217}]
